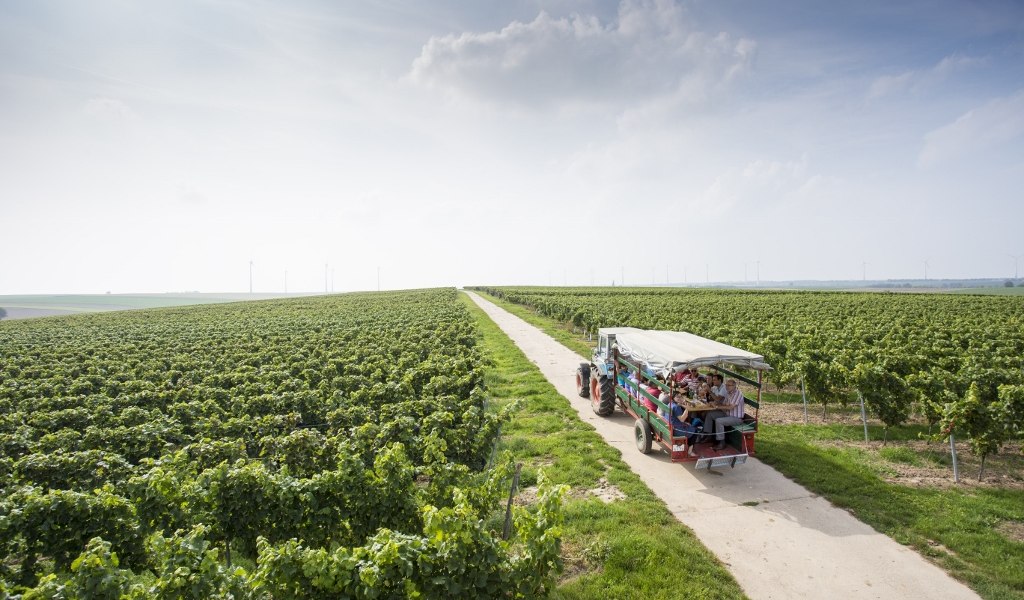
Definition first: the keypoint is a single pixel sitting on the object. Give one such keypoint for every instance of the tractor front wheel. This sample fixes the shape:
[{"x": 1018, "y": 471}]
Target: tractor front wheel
[{"x": 583, "y": 380}]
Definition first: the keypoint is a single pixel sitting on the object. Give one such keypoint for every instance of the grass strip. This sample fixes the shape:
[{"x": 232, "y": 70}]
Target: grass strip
[
  {"x": 957, "y": 528},
  {"x": 631, "y": 547},
  {"x": 964, "y": 530}
]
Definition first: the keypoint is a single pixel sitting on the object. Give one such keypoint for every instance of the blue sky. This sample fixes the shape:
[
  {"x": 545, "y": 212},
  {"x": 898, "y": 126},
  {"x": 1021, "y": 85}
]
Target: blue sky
[{"x": 160, "y": 146}]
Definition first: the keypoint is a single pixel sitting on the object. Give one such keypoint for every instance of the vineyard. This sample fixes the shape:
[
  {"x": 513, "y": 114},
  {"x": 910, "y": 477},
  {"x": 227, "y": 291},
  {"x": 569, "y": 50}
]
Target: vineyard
[
  {"x": 956, "y": 360},
  {"x": 325, "y": 447}
]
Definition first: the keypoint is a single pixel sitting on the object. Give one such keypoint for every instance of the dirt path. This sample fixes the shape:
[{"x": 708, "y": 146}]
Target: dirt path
[{"x": 779, "y": 540}]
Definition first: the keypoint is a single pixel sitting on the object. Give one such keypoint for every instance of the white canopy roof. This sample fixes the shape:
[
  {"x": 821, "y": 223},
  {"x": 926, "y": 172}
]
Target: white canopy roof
[
  {"x": 678, "y": 350},
  {"x": 617, "y": 330}
]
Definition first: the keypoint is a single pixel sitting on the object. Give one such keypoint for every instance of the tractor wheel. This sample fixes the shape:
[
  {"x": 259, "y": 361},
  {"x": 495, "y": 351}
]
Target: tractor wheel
[
  {"x": 583, "y": 380},
  {"x": 644, "y": 435},
  {"x": 602, "y": 395}
]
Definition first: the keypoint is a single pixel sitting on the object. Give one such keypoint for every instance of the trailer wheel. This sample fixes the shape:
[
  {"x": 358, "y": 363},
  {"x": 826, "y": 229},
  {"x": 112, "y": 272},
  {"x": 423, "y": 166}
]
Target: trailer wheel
[
  {"x": 583, "y": 380},
  {"x": 602, "y": 395},
  {"x": 644, "y": 436}
]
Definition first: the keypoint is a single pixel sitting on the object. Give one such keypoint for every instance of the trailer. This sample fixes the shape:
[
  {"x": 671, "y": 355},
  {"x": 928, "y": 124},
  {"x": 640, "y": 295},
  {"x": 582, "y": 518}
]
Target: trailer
[{"x": 627, "y": 353}]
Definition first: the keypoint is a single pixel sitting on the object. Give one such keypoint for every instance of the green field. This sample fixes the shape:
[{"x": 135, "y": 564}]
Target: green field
[
  {"x": 359, "y": 444},
  {"x": 903, "y": 487},
  {"x": 334, "y": 446}
]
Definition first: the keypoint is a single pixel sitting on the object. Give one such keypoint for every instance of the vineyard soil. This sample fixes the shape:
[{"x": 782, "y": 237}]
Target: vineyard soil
[{"x": 779, "y": 540}]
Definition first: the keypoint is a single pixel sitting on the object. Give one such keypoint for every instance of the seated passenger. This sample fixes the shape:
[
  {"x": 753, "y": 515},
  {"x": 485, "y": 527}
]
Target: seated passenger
[
  {"x": 650, "y": 386},
  {"x": 731, "y": 416},
  {"x": 681, "y": 427},
  {"x": 718, "y": 391},
  {"x": 665, "y": 399}
]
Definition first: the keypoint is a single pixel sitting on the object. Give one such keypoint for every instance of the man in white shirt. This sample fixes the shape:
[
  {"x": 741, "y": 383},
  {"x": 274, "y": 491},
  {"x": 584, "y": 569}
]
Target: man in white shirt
[{"x": 718, "y": 391}]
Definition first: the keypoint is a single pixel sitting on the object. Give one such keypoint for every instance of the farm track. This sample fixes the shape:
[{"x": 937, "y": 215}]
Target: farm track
[{"x": 778, "y": 539}]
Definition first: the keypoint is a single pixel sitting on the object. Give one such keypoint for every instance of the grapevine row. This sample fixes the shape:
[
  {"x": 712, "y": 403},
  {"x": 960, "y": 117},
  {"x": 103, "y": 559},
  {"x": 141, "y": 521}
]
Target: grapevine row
[
  {"x": 958, "y": 359},
  {"x": 320, "y": 447}
]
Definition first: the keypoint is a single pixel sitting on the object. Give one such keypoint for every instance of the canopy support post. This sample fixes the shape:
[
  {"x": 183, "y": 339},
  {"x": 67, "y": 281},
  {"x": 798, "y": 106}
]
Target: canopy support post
[{"x": 803, "y": 394}]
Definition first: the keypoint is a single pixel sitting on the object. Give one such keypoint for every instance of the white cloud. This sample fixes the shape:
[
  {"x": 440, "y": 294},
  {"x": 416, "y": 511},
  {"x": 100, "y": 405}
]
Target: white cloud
[
  {"x": 956, "y": 62},
  {"x": 649, "y": 50},
  {"x": 762, "y": 182},
  {"x": 916, "y": 80},
  {"x": 977, "y": 130},
  {"x": 111, "y": 109},
  {"x": 189, "y": 195},
  {"x": 890, "y": 84}
]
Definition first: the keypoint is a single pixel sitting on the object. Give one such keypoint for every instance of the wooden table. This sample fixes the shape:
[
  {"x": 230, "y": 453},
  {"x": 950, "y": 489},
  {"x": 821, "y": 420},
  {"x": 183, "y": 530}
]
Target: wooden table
[{"x": 697, "y": 408}]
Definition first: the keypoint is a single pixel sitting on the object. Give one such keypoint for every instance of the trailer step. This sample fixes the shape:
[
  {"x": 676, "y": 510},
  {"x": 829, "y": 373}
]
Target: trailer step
[{"x": 711, "y": 462}]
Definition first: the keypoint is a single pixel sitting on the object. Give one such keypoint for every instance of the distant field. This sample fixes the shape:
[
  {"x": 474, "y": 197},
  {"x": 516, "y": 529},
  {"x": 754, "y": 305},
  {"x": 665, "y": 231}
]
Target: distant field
[
  {"x": 30, "y": 306},
  {"x": 992, "y": 291}
]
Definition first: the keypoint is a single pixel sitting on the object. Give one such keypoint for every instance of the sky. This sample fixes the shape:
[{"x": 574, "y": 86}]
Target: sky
[{"x": 161, "y": 146}]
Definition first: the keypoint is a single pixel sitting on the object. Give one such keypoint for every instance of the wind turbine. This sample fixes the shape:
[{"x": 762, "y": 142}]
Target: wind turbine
[
  {"x": 286, "y": 281},
  {"x": 250, "y": 276},
  {"x": 926, "y": 269},
  {"x": 1015, "y": 258}
]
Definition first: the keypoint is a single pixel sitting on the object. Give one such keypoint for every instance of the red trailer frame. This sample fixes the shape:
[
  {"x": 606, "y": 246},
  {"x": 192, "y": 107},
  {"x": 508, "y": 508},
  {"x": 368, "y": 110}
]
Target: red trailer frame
[{"x": 650, "y": 427}]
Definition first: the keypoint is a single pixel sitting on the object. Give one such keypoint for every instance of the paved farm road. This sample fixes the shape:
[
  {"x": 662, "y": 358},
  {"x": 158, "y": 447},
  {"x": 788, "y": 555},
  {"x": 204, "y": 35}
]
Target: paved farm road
[{"x": 792, "y": 544}]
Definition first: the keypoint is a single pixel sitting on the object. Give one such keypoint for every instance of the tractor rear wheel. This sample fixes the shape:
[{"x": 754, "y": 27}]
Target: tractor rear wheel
[
  {"x": 602, "y": 395},
  {"x": 644, "y": 436},
  {"x": 583, "y": 380}
]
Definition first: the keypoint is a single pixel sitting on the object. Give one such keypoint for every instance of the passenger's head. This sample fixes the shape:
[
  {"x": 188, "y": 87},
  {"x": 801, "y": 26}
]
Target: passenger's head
[{"x": 730, "y": 385}]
